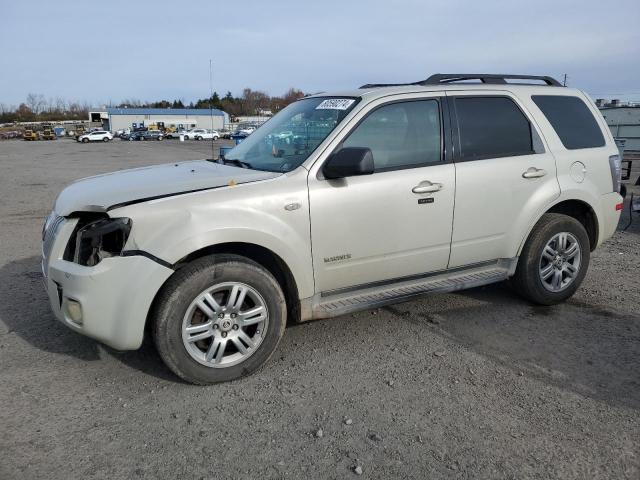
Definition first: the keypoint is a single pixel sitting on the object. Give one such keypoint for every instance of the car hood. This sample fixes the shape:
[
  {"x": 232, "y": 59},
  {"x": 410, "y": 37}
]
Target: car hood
[{"x": 105, "y": 192}]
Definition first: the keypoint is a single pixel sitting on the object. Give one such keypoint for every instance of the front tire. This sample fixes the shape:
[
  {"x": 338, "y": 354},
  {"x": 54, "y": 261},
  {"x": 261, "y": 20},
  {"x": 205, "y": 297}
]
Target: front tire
[
  {"x": 219, "y": 318},
  {"x": 105, "y": 139},
  {"x": 198, "y": 138},
  {"x": 85, "y": 140},
  {"x": 554, "y": 260}
]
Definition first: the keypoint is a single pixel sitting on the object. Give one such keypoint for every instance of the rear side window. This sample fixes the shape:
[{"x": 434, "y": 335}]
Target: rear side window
[
  {"x": 492, "y": 127},
  {"x": 572, "y": 120}
]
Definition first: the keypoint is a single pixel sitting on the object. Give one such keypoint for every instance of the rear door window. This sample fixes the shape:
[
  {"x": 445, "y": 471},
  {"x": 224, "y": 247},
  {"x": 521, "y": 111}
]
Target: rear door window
[
  {"x": 572, "y": 120},
  {"x": 492, "y": 127}
]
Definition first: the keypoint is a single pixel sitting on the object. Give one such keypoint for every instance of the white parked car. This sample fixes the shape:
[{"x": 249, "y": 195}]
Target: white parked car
[
  {"x": 96, "y": 136},
  {"x": 201, "y": 134},
  {"x": 246, "y": 130},
  {"x": 402, "y": 190}
]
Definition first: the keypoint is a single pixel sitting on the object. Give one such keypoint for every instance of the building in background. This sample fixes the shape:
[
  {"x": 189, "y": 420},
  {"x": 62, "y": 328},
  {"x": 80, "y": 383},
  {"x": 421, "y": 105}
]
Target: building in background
[
  {"x": 624, "y": 122},
  {"x": 180, "y": 118}
]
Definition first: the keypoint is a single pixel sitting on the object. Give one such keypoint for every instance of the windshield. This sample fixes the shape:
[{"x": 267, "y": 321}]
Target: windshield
[{"x": 287, "y": 140}]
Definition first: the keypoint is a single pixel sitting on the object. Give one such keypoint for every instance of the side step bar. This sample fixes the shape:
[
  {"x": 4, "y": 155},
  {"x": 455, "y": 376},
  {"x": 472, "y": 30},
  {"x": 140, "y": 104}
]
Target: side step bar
[{"x": 329, "y": 304}]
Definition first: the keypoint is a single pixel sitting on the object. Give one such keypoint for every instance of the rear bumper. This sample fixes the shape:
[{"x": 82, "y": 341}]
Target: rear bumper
[
  {"x": 114, "y": 296},
  {"x": 610, "y": 216}
]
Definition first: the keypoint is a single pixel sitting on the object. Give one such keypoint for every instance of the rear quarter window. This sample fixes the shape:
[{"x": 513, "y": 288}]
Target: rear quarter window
[{"x": 572, "y": 120}]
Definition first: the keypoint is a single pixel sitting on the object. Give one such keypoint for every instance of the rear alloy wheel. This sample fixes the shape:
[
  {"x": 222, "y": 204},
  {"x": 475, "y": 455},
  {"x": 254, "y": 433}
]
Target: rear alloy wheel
[
  {"x": 560, "y": 262},
  {"x": 554, "y": 260},
  {"x": 219, "y": 318}
]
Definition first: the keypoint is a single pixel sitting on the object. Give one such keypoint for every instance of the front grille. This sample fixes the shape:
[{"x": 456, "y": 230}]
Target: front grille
[{"x": 48, "y": 237}]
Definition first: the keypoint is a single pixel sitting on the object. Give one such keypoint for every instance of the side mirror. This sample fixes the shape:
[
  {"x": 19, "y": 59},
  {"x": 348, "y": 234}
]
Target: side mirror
[{"x": 349, "y": 162}]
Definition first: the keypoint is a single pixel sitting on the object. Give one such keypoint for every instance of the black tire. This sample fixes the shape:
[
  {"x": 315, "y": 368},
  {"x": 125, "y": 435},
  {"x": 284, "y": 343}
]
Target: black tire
[
  {"x": 527, "y": 281},
  {"x": 198, "y": 138},
  {"x": 105, "y": 139},
  {"x": 215, "y": 139},
  {"x": 85, "y": 140},
  {"x": 160, "y": 138},
  {"x": 184, "y": 286}
]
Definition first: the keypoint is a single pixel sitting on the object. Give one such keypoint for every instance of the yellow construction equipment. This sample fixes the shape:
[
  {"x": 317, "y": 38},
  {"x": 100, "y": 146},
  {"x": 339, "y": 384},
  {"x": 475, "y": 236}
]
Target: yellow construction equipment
[
  {"x": 48, "y": 133},
  {"x": 30, "y": 134},
  {"x": 80, "y": 130}
]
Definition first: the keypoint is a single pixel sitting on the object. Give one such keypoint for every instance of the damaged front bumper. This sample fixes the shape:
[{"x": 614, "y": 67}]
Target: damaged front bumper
[{"x": 109, "y": 301}]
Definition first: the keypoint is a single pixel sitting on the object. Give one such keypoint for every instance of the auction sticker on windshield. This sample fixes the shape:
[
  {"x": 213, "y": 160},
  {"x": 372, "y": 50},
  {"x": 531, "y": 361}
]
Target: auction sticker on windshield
[{"x": 335, "y": 104}]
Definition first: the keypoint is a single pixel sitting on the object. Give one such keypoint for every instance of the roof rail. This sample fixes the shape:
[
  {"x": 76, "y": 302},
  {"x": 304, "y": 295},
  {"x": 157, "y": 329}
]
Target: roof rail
[
  {"x": 440, "y": 78},
  {"x": 491, "y": 78}
]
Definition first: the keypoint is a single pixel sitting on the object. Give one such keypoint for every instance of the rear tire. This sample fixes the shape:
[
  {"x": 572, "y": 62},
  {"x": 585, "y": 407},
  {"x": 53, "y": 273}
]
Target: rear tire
[
  {"x": 554, "y": 260},
  {"x": 198, "y": 138},
  {"x": 85, "y": 140},
  {"x": 177, "y": 311}
]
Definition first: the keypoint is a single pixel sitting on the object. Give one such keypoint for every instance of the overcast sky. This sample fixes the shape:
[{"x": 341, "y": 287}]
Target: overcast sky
[{"x": 108, "y": 51}]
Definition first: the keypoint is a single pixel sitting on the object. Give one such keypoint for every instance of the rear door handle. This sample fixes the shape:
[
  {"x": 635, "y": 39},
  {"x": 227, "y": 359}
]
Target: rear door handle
[
  {"x": 534, "y": 172},
  {"x": 427, "y": 187}
]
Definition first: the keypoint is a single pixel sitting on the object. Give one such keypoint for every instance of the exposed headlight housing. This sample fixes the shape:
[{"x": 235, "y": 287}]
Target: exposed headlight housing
[{"x": 100, "y": 239}]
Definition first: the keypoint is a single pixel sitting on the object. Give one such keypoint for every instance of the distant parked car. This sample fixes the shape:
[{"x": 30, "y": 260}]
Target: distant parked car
[
  {"x": 201, "y": 134},
  {"x": 96, "y": 136},
  {"x": 225, "y": 133},
  {"x": 245, "y": 130},
  {"x": 153, "y": 135},
  {"x": 142, "y": 135},
  {"x": 174, "y": 134}
]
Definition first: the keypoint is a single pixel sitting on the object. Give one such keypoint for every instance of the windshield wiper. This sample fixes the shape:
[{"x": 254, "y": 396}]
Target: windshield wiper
[{"x": 237, "y": 163}]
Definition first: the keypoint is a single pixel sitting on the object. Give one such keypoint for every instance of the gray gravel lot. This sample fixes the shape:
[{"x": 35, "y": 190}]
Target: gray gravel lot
[{"x": 478, "y": 384}]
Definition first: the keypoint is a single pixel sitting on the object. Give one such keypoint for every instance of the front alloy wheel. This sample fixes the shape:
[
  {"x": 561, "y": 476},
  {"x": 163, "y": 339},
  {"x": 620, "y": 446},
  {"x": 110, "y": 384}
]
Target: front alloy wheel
[
  {"x": 225, "y": 324},
  {"x": 218, "y": 318}
]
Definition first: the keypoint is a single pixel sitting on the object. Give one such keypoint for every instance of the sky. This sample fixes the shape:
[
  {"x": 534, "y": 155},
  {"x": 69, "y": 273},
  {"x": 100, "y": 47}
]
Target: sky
[{"x": 104, "y": 52}]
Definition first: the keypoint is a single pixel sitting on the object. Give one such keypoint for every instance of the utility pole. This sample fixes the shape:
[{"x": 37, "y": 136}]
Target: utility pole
[{"x": 211, "y": 105}]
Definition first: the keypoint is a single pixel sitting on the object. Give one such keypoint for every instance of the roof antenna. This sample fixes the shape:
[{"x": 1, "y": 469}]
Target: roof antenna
[{"x": 564, "y": 80}]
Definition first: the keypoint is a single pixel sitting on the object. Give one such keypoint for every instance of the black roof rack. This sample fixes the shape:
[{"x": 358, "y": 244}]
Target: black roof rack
[{"x": 491, "y": 78}]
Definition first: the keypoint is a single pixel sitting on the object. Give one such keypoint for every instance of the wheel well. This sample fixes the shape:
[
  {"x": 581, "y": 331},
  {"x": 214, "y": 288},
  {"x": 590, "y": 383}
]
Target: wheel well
[
  {"x": 582, "y": 212},
  {"x": 266, "y": 258}
]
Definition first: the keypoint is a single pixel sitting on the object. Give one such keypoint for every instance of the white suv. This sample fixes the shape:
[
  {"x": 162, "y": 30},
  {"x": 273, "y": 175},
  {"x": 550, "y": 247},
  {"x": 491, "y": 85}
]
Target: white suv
[
  {"x": 201, "y": 134},
  {"x": 96, "y": 136},
  {"x": 339, "y": 203}
]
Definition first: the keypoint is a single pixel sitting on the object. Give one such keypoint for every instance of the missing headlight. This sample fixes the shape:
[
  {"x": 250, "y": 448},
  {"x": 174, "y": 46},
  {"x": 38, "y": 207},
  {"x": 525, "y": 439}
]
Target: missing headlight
[{"x": 100, "y": 239}]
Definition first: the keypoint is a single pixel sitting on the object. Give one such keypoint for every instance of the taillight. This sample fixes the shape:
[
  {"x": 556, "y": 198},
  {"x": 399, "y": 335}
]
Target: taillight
[{"x": 616, "y": 172}]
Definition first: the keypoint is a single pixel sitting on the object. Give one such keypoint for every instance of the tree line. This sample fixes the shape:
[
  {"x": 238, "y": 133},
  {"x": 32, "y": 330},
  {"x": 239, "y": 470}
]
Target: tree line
[{"x": 38, "y": 108}]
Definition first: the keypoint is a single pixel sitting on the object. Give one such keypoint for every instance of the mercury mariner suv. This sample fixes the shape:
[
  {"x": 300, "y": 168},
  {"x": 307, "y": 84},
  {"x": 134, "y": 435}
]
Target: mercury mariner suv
[{"x": 341, "y": 202}]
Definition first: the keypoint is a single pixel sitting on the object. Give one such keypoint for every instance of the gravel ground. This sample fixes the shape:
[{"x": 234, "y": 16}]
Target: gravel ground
[{"x": 477, "y": 384}]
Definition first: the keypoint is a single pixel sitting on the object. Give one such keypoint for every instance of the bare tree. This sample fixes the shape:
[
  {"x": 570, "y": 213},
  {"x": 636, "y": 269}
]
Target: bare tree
[{"x": 36, "y": 102}]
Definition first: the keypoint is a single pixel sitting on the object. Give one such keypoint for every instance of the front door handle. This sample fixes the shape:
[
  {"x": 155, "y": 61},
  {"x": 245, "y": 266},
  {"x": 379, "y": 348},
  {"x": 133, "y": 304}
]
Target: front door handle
[
  {"x": 427, "y": 187},
  {"x": 534, "y": 172}
]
